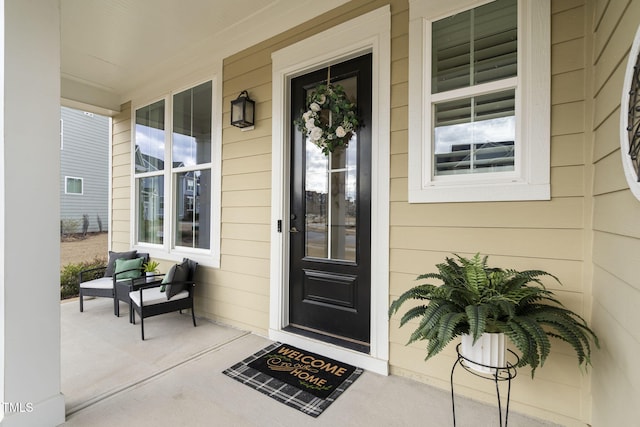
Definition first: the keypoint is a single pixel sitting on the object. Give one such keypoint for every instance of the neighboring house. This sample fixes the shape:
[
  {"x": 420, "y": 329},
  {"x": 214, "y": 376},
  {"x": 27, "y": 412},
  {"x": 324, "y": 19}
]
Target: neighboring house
[
  {"x": 564, "y": 200},
  {"x": 84, "y": 170}
]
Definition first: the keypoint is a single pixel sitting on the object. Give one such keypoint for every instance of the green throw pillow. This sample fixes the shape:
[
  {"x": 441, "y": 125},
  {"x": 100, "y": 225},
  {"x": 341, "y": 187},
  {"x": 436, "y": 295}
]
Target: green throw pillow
[
  {"x": 111, "y": 265},
  {"x": 123, "y": 265}
]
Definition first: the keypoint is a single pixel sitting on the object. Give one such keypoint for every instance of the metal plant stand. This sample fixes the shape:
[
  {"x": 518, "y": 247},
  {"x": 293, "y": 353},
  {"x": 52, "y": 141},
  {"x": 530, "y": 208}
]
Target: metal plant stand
[{"x": 499, "y": 373}]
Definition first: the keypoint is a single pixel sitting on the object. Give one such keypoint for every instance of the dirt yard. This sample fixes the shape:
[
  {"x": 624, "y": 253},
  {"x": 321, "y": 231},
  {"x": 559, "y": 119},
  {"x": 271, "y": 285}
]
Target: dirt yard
[{"x": 77, "y": 249}]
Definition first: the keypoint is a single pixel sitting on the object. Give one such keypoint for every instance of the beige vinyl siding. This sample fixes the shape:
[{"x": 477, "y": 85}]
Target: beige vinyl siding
[
  {"x": 548, "y": 235},
  {"x": 238, "y": 293},
  {"x": 616, "y": 248},
  {"x": 121, "y": 180},
  {"x": 554, "y": 235}
]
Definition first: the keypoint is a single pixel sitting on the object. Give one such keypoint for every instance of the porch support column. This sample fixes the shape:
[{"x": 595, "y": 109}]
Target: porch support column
[{"x": 30, "y": 385}]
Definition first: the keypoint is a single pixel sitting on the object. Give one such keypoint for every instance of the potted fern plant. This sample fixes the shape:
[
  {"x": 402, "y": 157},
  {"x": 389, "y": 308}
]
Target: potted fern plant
[{"x": 474, "y": 299}]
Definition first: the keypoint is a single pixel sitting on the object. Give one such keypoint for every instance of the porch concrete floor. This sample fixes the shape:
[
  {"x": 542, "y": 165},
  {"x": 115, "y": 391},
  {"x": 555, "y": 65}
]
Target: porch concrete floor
[{"x": 111, "y": 377}]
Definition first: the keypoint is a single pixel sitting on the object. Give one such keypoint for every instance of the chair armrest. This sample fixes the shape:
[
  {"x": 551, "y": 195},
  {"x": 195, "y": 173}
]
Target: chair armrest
[{"x": 93, "y": 272}]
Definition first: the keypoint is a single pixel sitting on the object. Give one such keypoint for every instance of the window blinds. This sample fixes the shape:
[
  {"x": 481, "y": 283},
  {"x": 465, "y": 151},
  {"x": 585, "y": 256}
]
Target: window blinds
[{"x": 476, "y": 46}]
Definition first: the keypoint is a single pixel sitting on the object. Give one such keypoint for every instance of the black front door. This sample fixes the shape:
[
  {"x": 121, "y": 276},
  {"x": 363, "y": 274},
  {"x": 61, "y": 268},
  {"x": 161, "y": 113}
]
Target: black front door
[{"x": 330, "y": 218}]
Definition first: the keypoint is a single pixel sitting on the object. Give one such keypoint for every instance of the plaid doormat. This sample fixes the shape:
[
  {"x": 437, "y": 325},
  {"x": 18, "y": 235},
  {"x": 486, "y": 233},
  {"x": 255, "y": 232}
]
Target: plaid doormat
[{"x": 279, "y": 390}]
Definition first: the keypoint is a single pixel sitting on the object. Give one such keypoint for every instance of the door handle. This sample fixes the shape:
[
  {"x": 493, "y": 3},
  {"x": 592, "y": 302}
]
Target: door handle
[{"x": 293, "y": 230}]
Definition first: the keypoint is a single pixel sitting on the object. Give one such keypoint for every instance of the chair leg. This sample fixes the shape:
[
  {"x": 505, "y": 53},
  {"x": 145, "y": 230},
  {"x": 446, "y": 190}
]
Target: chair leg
[
  {"x": 193, "y": 314},
  {"x": 142, "y": 326},
  {"x": 116, "y": 306},
  {"x": 81, "y": 306}
]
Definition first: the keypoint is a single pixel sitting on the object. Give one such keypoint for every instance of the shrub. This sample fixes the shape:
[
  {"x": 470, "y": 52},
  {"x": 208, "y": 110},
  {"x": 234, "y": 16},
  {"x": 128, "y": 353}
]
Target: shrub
[
  {"x": 69, "y": 226},
  {"x": 69, "y": 276}
]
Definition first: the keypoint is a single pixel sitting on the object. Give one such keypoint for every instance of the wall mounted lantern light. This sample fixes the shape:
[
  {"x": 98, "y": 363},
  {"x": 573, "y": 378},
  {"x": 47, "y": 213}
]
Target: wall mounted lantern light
[{"x": 243, "y": 111}]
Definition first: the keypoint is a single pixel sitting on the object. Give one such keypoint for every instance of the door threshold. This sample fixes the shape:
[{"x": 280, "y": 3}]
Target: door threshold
[
  {"x": 343, "y": 354},
  {"x": 331, "y": 339}
]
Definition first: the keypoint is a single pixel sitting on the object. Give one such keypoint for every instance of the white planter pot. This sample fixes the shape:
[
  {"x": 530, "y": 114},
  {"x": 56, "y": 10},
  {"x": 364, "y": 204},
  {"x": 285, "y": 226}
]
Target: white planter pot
[
  {"x": 149, "y": 273},
  {"x": 489, "y": 350}
]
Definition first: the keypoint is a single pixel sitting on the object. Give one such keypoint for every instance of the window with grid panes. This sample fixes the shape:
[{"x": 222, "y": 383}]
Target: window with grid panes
[
  {"x": 478, "y": 133},
  {"x": 73, "y": 185},
  {"x": 173, "y": 171}
]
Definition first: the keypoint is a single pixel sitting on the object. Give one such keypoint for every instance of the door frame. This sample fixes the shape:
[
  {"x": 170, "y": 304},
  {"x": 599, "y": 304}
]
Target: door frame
[{"x": 370, "y": 32}]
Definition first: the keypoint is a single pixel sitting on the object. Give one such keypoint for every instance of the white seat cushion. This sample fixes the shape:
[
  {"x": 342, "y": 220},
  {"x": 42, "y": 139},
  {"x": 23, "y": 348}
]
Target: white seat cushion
[
  {"x": 101, "y": 283},
  {"x": 152, "y": 296}
]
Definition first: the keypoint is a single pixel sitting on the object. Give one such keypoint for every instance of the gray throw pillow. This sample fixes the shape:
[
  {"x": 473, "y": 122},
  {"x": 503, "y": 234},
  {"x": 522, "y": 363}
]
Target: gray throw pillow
[
  {"x": 168, "y": 278},
  {"x": 113, "y": 256},
  {"x": 181, "y": 274}
]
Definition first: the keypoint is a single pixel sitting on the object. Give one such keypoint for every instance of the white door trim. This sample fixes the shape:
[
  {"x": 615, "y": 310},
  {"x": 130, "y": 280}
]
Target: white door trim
[{"x": 370, "y": 32}]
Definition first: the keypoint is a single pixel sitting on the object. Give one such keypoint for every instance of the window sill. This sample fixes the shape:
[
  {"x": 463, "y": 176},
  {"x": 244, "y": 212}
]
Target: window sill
[
  {"x": 203, "y": 259},
  {"x": 498, "y": 192}
]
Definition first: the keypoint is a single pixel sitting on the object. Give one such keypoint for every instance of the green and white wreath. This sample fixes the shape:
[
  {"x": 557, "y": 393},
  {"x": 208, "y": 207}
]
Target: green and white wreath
[{"x": 330, "y": 119}]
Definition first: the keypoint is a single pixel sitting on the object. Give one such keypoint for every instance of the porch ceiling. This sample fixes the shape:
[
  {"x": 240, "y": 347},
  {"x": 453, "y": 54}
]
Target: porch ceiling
[{"x": 110, "y": 47}]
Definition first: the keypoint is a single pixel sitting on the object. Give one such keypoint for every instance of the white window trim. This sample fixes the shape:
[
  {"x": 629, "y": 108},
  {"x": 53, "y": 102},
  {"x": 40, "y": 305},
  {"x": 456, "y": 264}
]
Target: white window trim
[
  {"x": 629, "y": 171},
  {"x": 167, "y": 250},
  {"x": 66, "y": 178},
  {"x": 370, "y": 32},
  {"x": 531, "y": 180}
]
